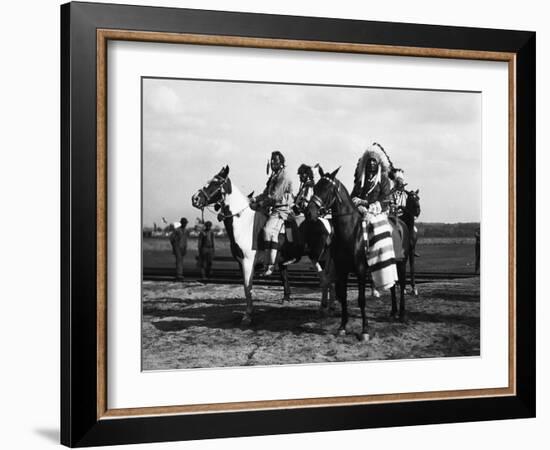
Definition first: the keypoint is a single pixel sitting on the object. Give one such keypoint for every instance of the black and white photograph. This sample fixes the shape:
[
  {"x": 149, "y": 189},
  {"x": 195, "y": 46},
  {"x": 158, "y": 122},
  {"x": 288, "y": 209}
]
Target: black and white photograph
[{"x": 303, "y": 224}]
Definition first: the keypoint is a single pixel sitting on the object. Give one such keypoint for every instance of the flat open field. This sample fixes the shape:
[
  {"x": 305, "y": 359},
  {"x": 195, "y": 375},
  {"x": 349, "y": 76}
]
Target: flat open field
[
  {"x": 451, "y": 255},
  {"x": 188, "y": 325},
  {"x": 193, "y": 324}
]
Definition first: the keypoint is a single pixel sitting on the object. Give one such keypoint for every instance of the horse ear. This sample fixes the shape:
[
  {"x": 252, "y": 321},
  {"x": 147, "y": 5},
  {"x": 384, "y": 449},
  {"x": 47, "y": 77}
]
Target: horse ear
[
  {"x": 321, "y": 172},
  {"x": 228, "y": 187},
  {"x": 417, "y": 191},
  {"x": 333, "y": 174},
  {"x": 224, "y": 172}
]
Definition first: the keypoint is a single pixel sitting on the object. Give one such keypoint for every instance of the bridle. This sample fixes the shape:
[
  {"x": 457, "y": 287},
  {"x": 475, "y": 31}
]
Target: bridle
[
  {"x": 316, "y": 200},
  {"x": 221, "y": 188},
  {"x": 219, "y": 205}
]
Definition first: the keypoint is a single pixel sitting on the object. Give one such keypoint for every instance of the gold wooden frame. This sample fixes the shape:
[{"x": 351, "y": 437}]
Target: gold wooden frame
[{"x": 103, "y": 36}]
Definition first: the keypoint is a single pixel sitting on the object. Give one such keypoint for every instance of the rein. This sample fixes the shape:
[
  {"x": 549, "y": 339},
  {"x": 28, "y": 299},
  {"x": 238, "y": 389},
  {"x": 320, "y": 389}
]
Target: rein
[
  {"x": 315, "y": 199},
  {"x": 220, "y": 216}
]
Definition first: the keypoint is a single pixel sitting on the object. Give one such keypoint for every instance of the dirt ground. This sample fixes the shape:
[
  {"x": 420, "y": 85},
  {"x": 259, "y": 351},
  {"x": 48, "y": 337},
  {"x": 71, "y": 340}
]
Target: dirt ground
[{"x": 189, "y": 325}]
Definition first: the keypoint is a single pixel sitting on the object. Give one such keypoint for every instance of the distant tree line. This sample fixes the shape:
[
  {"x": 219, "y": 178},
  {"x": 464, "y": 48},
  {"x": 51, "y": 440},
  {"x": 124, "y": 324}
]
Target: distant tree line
[
  {"x": 431, "y": 229},
  {"x": 439, "y": 229}
]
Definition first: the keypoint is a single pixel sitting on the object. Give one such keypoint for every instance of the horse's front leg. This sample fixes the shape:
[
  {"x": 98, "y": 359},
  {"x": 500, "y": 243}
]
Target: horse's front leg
[
  {"x": 323, "y": 307},
  {"x": 331, "y": 298},
  {"x": 324, "y": 283},
  {"x": 283, "y": 271},
  {"x": 411, "y": 265},
  {"x": 341, "y": 293},
  {"x": 362, "y": 303},
  {"x": 247, "y": 266},
  {"x": 393, "y": 313},
  {"x": 402, "y": 275}
]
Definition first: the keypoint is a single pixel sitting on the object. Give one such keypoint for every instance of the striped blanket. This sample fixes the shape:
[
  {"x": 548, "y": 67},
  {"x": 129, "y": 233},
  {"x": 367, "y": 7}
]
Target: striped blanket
[{"x": 380, "y": 254}]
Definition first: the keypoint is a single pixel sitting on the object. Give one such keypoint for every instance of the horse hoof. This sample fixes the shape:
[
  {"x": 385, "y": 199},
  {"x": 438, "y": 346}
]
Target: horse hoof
[
  {"x": 246, "y": 320},
  {"x": 402, "y": 318},
  {"x": 415, "y": 291},
  {"x": 393, "y": 315},
  {"x": 365, "y": 337},
  {"x": 285, "y": 299},
  {"x": 341, "y": 332}
]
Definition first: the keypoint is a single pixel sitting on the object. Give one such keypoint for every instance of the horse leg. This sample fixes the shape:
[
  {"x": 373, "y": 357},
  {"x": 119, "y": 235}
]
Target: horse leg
[
  {"x": 393, "y": 312},
  {"x": 411, "y": 265},
  {"x": 323, "y": 307},
  {"x": 402, "y": 275},
  {"x": 341, "y": 292},
  {"x": 283, "y": 270},
  {"x": 324, "y": 282},
  {"x": 330, "y": 274},
  {"x": 247, "y": 266},
  {"x": 362, "y": 301},
  {"x": 331, "y": 298}
]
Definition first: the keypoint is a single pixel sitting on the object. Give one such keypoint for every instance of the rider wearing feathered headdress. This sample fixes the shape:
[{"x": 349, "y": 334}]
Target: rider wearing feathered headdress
[
  {"x": 371, "y": 188},
  {"x": 371, "y": 195}
]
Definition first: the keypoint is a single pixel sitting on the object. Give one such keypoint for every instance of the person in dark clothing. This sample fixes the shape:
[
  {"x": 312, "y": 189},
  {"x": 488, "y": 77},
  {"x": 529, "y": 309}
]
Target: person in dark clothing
[
  {"x": 371, "y": 192},
  {"x": 206, "y": 250},
  {"x": 478, "y": 250},
  {"x": 178, "y": 240}
]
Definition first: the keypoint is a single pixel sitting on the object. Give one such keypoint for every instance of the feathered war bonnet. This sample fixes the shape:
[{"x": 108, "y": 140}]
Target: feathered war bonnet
[{"x": 376, "y": 152}]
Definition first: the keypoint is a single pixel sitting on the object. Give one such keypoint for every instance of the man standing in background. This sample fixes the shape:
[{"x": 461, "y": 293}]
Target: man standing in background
[
  {"x": 178, "y": 239},
  {"x": 478, "y": 250},
  {"x": 206, "y": 249}
]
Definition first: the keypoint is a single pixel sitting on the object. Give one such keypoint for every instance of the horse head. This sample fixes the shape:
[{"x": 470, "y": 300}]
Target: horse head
[
  {"x": 413, "y": 203},
  {"x": 325, "y": 194},
  {"x": 214, "y": 191}
]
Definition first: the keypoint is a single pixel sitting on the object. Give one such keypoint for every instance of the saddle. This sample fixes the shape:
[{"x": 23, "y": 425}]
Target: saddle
[
  {"x": 260, "y": 219},
  {"x": 290, "y": 228}
]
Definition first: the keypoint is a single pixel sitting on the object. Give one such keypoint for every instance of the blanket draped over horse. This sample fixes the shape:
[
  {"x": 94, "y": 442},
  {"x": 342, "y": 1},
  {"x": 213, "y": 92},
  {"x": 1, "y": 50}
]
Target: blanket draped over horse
[{"x": 380, "y": 254}]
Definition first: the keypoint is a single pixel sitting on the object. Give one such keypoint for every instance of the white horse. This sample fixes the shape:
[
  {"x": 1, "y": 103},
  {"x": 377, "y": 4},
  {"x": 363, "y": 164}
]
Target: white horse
[{"x": 238, "y": 217}]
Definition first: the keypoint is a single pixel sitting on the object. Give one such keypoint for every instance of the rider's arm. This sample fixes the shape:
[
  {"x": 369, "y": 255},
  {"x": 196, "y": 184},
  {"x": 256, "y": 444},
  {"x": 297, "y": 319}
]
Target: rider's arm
[
  {"x": 385, "y": 189},
  {"x": 356, "y": 195}
]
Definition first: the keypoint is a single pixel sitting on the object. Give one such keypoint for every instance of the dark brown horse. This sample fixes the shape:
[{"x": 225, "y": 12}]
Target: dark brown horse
[
  {"x": 348, "y": 246},
  {"x": 408, "y": 214}
]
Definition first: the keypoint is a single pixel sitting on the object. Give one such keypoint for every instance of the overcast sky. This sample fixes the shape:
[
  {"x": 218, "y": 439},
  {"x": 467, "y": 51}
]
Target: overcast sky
[{"x": 192, "y": 128}]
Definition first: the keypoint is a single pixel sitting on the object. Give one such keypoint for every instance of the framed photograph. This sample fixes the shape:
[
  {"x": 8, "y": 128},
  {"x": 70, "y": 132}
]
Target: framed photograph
[{"x": 278, "y": 224}]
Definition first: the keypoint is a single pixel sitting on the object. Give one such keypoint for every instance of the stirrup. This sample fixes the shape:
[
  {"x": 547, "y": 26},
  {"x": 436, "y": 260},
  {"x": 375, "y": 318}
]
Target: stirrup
[
  {"x": 289, "y": 262},
  {"x": 269, "y": 270}
]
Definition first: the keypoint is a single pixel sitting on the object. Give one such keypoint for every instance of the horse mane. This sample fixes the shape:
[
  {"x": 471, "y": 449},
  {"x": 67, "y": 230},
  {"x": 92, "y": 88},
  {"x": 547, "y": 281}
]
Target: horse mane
[
  {"x": 374, "y": 151},
  {"x": 345, "y": 194}
]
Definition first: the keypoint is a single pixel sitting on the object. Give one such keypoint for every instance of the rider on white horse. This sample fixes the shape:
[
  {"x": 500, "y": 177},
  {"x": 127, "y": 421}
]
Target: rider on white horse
[{"x": 277, "y": 197}]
